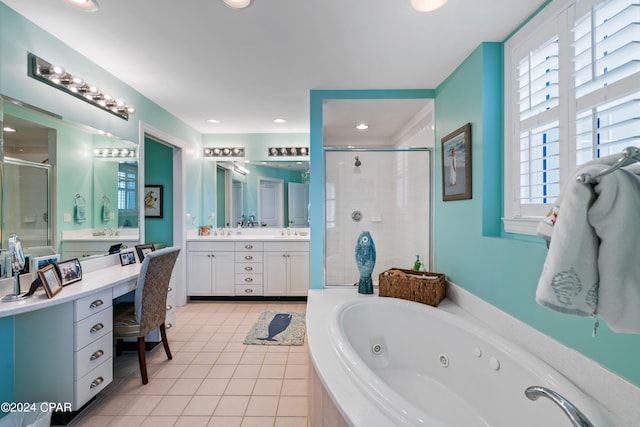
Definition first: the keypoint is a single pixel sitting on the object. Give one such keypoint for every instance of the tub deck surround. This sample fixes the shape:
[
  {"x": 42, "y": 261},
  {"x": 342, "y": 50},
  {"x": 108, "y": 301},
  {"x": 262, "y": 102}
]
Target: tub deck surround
[{"x": 461, "y": 357}]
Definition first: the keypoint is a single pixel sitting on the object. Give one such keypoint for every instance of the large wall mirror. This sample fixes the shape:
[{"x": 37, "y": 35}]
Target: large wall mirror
[
  {"x": 61, "y": 178},
  {"x": 256, "y": 193}
]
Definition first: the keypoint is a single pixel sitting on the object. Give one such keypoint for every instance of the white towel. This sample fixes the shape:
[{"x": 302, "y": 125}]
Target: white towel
[
  {"x": 614, "y": 217},
  {"x": 593, "y": 266}
]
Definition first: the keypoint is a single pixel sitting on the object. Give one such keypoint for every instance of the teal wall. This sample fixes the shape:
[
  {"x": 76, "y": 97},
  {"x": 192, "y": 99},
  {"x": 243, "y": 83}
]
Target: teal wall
[
  {"x": 158, "y": 170},
  {"x": 470, "y": 246}
]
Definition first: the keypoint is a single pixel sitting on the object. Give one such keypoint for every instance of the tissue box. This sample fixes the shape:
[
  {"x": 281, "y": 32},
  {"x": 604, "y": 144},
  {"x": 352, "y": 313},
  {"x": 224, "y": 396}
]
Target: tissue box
[{"x": 420, "y": 286}]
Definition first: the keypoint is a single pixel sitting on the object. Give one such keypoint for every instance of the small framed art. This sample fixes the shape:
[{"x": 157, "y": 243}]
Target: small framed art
[
  {"x": 70, "y": 271},
  {"x": 50, "y": 280},
  {"x": 456, "y": 164},
  {"x": 127, "y": 258},
  {"x": 153, "y": 201}
]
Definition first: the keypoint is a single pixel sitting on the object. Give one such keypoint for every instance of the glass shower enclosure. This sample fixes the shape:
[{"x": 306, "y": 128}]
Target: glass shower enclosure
[{"x": 385, "y": 191}]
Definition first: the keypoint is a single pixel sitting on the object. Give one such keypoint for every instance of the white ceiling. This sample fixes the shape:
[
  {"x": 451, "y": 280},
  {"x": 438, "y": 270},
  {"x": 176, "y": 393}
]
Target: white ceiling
[{"x": 200, "y": 60}]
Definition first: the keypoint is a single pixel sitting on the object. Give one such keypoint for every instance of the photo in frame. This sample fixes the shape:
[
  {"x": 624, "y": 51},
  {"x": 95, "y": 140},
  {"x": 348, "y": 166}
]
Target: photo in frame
[
  {"x": 127, "y": 258},
  {"x": 144, "y": 249},
  {"x": 153, "y": 201},
  {"x": 70, "y": 271},
  {"x": 456, "y": 164},
  {"x": 50, "y": 280},
  {"x": 42, "y": 261}
]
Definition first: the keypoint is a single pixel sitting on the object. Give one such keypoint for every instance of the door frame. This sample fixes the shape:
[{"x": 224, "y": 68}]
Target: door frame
[{"x": 179, "y": 199}]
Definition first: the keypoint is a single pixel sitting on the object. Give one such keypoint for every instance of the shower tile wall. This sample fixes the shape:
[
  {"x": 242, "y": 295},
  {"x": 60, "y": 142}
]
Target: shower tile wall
[{"x": 391, "y": 190}]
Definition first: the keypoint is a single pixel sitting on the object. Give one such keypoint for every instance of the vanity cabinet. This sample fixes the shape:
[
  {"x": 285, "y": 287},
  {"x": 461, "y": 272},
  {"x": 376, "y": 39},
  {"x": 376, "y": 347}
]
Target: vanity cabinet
[
  {"x": 66, "y": 351},
  {"x": 286, "y": 268},
  {"x": 211, "y": 268},
  {"x": 267, "y": 267},
  {"x": 248, "y": 268}
]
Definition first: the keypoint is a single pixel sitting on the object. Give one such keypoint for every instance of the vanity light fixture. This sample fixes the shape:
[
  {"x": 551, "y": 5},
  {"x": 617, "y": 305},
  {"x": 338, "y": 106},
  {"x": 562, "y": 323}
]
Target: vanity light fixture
[
  {"x": 114, "y": 153},
  {"x": 288, "y": 151},
  {"x": 223, "y": 152},
  {"x": 237, "y": 4},
  {"x": 427, "y": 5},
  {"x": 84, "y": 5},
  {"x": 57, "y": 77}
]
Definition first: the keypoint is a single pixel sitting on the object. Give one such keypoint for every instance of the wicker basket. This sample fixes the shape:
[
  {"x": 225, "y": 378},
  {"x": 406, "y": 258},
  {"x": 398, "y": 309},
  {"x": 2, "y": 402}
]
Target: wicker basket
[{"x": 410, "y": 285}]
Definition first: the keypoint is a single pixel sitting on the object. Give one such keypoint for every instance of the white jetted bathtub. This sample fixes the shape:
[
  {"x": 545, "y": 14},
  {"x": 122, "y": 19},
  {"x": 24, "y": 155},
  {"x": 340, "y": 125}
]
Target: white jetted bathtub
[{"x": 390, "y": 362}]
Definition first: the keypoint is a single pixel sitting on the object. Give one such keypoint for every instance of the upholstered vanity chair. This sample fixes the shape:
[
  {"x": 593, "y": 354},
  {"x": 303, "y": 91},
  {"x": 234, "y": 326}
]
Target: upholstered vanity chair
[{"x": 149, "y": 308}]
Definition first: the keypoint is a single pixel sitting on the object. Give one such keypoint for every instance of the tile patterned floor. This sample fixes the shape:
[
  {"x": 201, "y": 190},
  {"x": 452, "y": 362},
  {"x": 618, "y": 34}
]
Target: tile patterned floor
[{"x": 213, "y": 379}]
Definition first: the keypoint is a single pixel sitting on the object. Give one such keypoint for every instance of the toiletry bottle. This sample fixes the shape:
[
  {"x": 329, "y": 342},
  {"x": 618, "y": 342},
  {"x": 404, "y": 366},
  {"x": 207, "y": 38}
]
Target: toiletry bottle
[{"x": 417, "y": 264}]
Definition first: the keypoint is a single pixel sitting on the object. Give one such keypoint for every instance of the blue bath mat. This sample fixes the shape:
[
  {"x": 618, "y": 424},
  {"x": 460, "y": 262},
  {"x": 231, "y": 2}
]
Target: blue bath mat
[{"x": 278, "y": 328}]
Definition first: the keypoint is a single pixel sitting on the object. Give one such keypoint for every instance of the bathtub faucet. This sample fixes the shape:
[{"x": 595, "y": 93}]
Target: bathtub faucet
[{"x": 577, "y": 418}]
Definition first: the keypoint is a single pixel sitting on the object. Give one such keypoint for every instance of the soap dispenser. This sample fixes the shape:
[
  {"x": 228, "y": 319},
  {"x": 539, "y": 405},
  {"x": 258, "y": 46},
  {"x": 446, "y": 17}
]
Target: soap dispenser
[{"x": 417, "y": 264}]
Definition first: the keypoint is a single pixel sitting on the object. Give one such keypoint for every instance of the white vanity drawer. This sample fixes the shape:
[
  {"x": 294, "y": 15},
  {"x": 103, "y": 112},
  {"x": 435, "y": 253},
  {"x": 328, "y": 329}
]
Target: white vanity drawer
[
  {"x": 249, "y": 246},
  {"x": 209, "y": 246},
  {"x": 91, "y": 304},
  {"x": 93, "y": 383},
  {"x": 93, "y": 327},
  {"x": 248, "y": 279},
  {"x": 248, "y": 267},
  {"x": 248, "y": 256},
  {"x": 248, "y": 290},
  {"x": 93, "y": 355}
]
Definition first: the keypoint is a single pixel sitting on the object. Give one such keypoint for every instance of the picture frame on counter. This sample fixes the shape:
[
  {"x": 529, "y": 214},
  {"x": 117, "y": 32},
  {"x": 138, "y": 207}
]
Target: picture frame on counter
[
  {"x": 42, "y": 261},
  {"x": 127, "y": 258},
  {"x": 144, "y": 249},
  {"x": 70, "y": 271},
  {"x": 50, "y": 280}
]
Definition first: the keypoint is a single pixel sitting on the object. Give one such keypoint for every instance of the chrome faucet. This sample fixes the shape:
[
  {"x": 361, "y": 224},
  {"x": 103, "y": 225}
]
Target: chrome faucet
[{"x": 578, "y": 419}]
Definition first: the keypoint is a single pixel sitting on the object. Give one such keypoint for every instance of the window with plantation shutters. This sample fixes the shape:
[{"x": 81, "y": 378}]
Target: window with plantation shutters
[{"x": 572, "y": 94}]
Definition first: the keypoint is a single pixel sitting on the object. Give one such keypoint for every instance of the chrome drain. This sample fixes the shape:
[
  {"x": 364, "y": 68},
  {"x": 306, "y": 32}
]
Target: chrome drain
[
  {"x": 444, "y": 360},
  {"x": 376, "y": 349}
]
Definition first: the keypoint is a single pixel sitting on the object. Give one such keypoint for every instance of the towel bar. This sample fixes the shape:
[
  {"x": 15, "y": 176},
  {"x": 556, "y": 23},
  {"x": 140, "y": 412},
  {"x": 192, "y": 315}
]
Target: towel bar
[{"x": 629, "y": 155}]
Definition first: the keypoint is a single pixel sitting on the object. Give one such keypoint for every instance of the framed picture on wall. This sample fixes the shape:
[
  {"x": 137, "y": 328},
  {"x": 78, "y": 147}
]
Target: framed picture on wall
[
  {"x": 456, "y": 164},
  {"x": 153, "y": 201}
]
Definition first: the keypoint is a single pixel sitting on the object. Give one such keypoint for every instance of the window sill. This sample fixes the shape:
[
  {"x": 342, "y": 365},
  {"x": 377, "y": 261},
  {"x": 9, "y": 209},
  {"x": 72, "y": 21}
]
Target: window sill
[{"x": 522, "y": 225}]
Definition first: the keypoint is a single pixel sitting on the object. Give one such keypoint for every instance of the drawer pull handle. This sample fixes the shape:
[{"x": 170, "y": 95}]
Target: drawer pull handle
[
  {"x": 248, "y": 257},
  {"x": 248, "y": 290},
  {"x": 97, "y": 327},
  {"x": 248, "y": 246},
  {"x": 97, "y": 355},
  {"x": 168, "y": 325},
  {"x": 169, "y": 307},
  {"x": 170, "y": 289},
  {"x": 96, "y": 382},
  {"x": 248, "y": 269},
  {"x": 248, "y": 279},
  {"x": 96, "y": 303}
]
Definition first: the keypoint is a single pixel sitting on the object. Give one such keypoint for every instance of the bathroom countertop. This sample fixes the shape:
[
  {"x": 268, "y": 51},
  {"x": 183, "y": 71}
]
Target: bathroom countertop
[{"x": 251, "y": 237}]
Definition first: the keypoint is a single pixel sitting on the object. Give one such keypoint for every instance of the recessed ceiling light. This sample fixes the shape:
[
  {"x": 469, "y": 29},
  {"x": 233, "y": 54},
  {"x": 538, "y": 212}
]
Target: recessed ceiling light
[
  {"x": 237, "y": 4},
  {"x": 84, "y": 5},
  {"x": 362, "y": 126},
  {"x": 427, "y": 5},
  {"x": 279, "y": 121},
  {"x": 213, "y": 121},
  {"x": 8, "y": 129}
]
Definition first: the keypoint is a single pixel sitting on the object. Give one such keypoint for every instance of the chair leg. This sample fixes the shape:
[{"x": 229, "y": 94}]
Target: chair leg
[
  {"x": 119, "y": 345},
  {"x": 142, "y": 360},
  {"x": 165, "y": 343}
]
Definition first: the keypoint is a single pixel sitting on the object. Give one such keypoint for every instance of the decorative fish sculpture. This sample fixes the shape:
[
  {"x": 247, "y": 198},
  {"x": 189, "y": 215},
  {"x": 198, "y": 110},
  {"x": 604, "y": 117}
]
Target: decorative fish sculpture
[
  {"x": 278, "y": 324},
  {"x": 365, "y": 260}
]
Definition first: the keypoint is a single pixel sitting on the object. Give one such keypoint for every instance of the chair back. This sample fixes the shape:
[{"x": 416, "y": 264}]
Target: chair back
[{"x": 152, "y": 288}]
